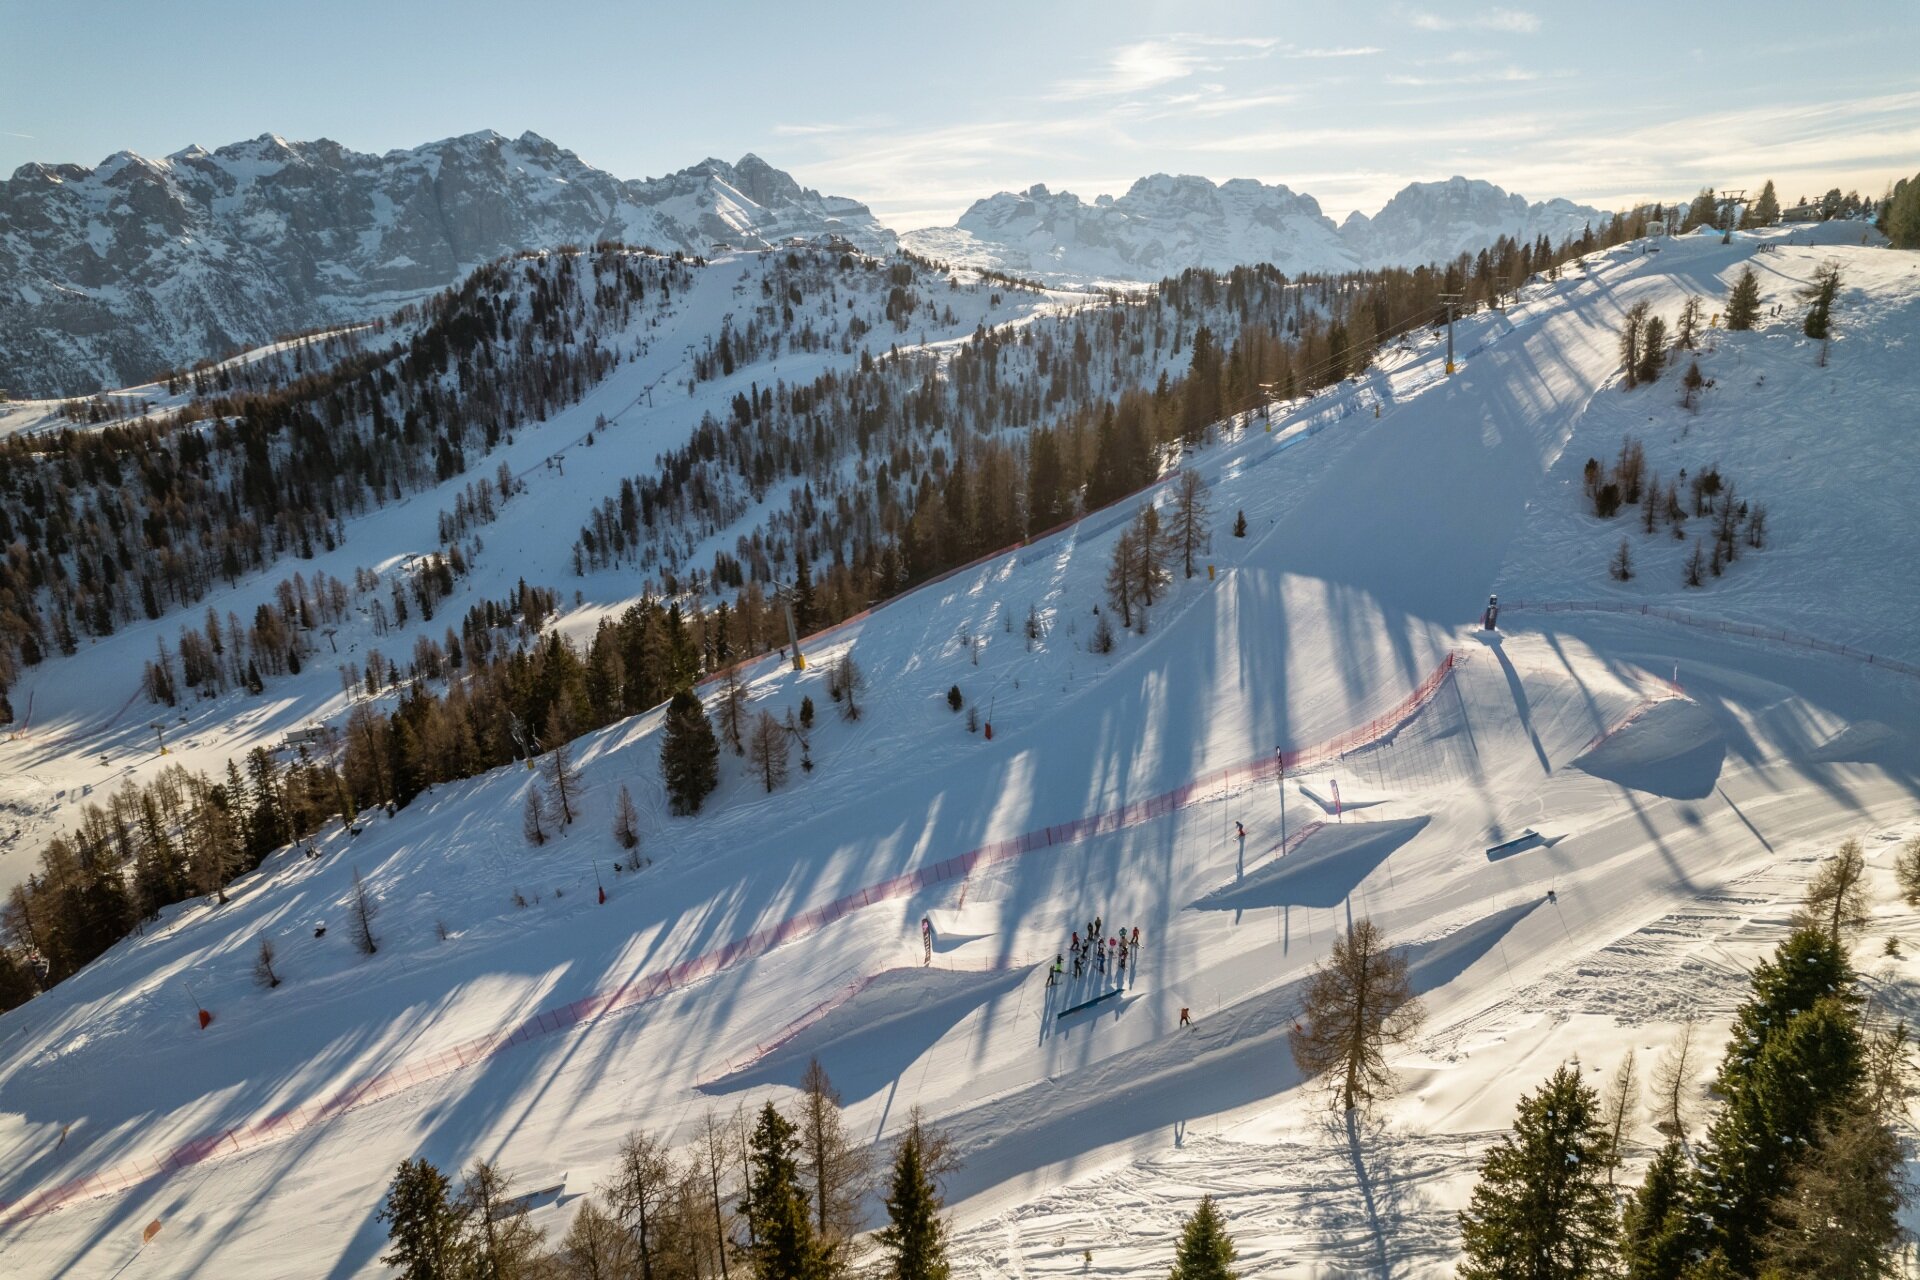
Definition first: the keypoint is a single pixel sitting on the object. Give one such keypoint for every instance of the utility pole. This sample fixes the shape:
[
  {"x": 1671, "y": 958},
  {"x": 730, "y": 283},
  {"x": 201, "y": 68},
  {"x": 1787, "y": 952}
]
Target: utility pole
[
  {"x": 1728, "y": 199},
  {"x": 793, "y": 632},
  {"x": 1450, "y": 299}
]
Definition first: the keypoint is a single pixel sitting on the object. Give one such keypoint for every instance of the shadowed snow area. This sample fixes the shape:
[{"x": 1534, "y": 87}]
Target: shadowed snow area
[
  {"x": 1321, "y": 871},
  {"x": 867, "y": 1041},
  {"x": 1673, "y": 748},
  {"x": 1675, "y": 849}
]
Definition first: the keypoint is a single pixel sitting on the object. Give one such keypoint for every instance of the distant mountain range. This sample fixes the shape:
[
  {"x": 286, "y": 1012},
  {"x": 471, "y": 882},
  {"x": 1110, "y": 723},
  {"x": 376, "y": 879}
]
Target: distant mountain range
[
  {"x": 1165, "y": 224},
  {"x": 111, "y": 274}
]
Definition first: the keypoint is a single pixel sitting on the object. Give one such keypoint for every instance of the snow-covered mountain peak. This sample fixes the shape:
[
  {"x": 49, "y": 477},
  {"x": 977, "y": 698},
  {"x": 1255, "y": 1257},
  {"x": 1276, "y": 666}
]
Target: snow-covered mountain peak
[{"x": 111, "y": 274}]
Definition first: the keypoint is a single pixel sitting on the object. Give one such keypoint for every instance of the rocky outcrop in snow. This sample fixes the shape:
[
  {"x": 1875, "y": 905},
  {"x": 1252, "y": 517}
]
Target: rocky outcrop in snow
[{"x": 112, "y": 273}]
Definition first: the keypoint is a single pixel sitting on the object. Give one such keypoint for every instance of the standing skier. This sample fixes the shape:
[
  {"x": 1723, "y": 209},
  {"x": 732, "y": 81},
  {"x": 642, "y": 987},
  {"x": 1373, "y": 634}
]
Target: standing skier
[
  {"x": 1240, "y": 830},
  {"x": 1136, "y": 937},
  {"x": 1053, "y": 974}
]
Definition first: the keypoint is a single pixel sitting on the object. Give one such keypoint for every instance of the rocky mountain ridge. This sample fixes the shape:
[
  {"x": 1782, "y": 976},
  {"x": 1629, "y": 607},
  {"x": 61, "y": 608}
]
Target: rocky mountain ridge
[{"x": 110, "y": 274}]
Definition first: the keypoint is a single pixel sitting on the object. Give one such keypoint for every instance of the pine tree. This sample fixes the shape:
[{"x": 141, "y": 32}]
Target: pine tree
[
  {"x": 1622, "y": 565},
  {"x": 1616, "y": 1106},
  {"x": 1542, "y": 1210},
  {"x": 783, "y": 1244},
  {"x": 1358, "y": 1003},
  {"x": 733, "y": 711},
  {"x": 914, "y": 1241},
  {"x": 1821, "y": 293},
  {"x": 835, "y": 1166},
  {"x": 1633, "y": 327},
  {"x": 768, "y": 752},
  {"x": 642, "y": 1187},
  {"x": 361, "y": 911},
  {"x": 1239, "y": 524},
  {"x": 1672, "y": 1083},
  {"x": 533, "y": 817},
  {"x": 263, "y": 972},
  {"x": 626, "y": 820},
  {"x": 1743, "y": 304},
  {"x": 1836, "y": 901},
  {"x": 849, "y": 680},
  {"x": 1205, "y": 1251},
  {"x": 426, "y": 1230},
  {"x": 1906, "y": 871},
  {"x": 1765, "y": 209},
  {"x": 1150, "y": 557},
  {"x": 1190, "y": 518},
  {"x": 690, "y": 755},
  {"x": 1840, "y": 1216},
  {"x": 562, "y": 776},
  {"x": 1658, "y": 1233},
  {"x": 1653, "y": 349},
  {"x": 597, "y": 1247},
  {"x": 1122, "y": 588},
  {"x": 1690, "y": 383},
  {"x": 1796, "y": 1060},
  {"x": 502, "y": 1242}
]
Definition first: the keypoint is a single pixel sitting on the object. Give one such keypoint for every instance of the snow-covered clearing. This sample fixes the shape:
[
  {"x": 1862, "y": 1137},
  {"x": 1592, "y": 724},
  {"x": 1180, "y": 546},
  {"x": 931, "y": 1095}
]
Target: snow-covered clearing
[{"x": 1675, "y": 841}]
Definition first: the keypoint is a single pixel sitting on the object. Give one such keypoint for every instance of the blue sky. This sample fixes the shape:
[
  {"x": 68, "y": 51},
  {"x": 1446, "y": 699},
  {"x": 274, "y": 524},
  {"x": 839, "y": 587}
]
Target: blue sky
[{"x": 918, "y": 110}]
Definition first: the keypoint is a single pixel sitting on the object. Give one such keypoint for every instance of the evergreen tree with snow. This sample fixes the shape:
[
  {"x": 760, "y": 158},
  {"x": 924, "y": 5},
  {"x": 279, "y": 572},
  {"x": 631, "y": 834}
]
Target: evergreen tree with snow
[
  {"x": 1821, "y": 293},
  {"x": 913, "y": 1244},
  {"x": 689, "y": 755},
  {"x": 783, "y": 1243},
  {"x": 1542, "y": 1209},
  {"x": 1205, "y": 1251},
  {"x": 1743, "y": 304},
  {"x": 1765, "y": 209},
  {"x": 1653, "y": 349},
  {"x": 1659, "y": 1232},
  {"x": 424, "y": 1226},
  {"x": 1796, "y": 1063}
]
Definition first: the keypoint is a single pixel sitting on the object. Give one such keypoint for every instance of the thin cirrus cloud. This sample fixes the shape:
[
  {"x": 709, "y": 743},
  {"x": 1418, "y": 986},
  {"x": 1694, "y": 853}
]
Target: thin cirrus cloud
[
  {"x": 1513, "y": 21},
  {"x": 1162, "y": 60}
]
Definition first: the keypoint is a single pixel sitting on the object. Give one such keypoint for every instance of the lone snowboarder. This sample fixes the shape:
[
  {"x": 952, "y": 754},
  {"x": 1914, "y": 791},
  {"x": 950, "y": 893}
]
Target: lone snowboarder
[{"x": 1490, "y": 620}]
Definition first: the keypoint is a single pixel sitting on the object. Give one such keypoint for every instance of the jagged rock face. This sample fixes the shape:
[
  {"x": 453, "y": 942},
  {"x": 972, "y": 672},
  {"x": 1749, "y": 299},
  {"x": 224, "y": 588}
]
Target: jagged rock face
[
  {"x": 108, "y": 275},
  {"x": 1166, "y": 224},
  {"x": 1161, "y": 226},
  {"x": 1438, "y": 221}
]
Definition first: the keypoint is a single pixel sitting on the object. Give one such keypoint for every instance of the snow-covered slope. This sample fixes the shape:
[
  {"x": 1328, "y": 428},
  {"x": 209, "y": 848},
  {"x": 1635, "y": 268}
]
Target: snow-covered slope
[
  {"x": 110, "y": 274},
  {"x": 537, "y": 1034},
  {"x": 1164, "y": 225}
]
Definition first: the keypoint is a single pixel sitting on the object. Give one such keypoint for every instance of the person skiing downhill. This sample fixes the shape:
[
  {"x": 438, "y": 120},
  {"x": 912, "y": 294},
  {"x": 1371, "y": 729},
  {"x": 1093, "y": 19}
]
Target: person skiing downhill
[
  {"x": 1075, "y": 945},
  {"x": 1240, "y": 830},
  {"x": 1136, "y": 937}
]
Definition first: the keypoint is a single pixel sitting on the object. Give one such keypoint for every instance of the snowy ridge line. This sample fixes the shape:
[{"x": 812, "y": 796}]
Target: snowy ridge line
[
  {"x": 787, "y": 1034},
  {"x": 481, "y": 1049},
  {"x": 1685, "y": 619}
]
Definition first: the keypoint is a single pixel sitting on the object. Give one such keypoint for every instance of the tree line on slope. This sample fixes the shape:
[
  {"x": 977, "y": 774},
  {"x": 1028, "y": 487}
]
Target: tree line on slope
[
  {"x": 780, "y": 1198},
  {"x": 92, "y": 889},
  {"x": 1801, "y": 1170}
]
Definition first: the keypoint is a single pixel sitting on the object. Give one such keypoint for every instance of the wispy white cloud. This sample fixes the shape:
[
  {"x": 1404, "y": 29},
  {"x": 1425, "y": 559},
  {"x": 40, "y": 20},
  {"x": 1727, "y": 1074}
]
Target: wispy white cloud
[
  {"x": 1356, "y": 51},
  {"x": 808, "y": 130},
  {"x": 1503, "y": 75},
  {"x": 1513, "y": 21},
  {"x": 1148, "y": 64}
]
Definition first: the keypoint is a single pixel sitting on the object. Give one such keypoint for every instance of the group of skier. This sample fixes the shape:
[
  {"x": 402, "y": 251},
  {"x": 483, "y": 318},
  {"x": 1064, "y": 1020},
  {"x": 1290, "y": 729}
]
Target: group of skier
[{"x": 1089, "y": 953}]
